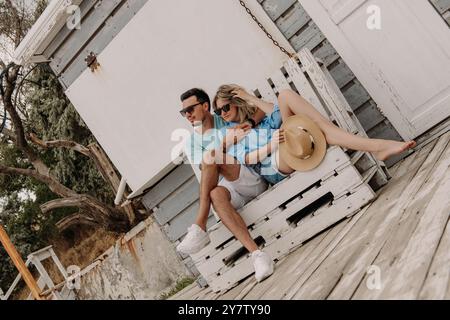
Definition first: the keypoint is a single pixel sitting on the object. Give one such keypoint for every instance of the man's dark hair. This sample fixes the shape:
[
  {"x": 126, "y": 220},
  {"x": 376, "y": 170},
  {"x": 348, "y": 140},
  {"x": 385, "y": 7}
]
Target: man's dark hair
[{"x": 201, "y": 95}]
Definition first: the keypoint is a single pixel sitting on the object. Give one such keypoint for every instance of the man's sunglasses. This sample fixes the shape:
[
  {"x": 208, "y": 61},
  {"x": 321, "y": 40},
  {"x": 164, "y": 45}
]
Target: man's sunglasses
[
  {"x": 189, "y": 109},
  {"x": 225, "y": 108}
]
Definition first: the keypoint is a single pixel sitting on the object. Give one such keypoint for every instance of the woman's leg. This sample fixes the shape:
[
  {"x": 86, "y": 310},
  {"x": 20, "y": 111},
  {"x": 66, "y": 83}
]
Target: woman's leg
[{"x": 291, "y": 103}]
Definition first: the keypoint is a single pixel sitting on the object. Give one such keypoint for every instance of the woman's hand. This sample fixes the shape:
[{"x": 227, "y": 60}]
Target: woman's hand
[
  {"x": 277, "y": 138},
  {"x": 242, "y": 94}
]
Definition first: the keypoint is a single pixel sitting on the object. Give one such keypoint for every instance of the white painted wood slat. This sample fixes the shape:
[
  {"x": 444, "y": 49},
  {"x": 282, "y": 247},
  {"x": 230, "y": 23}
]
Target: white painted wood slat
[{"x": 303, "y": 86}]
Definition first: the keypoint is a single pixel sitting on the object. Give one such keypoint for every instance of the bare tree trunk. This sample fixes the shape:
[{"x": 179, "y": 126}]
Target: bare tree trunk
[{"x": 109, "y": 174}]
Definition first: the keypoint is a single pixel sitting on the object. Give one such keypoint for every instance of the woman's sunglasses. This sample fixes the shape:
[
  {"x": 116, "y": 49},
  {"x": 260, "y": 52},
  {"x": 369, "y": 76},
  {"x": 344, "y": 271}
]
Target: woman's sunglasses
[
  {"x": 225, "y": 108},
  {"x": 189, "y": 109}
]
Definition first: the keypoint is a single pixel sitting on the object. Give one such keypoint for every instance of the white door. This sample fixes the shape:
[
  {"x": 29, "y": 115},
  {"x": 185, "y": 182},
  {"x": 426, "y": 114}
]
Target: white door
[{"x": 404, "y": 64}]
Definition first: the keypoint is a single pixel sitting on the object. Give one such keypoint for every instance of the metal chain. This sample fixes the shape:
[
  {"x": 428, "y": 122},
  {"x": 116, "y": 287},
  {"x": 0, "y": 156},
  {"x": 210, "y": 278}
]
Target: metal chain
[{"x": 289, "y": 54}]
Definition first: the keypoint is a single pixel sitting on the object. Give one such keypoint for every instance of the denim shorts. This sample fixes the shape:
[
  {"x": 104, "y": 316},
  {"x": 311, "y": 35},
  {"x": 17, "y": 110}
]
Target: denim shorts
[{"x": 268, "y": 170}]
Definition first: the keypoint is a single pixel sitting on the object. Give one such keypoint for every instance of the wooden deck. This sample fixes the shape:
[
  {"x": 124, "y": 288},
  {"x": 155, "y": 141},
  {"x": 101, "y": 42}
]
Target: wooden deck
[{"x": 402, "y": 239}]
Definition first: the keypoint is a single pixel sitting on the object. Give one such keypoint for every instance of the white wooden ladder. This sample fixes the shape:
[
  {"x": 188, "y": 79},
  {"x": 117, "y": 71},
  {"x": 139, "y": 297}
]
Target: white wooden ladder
[{"x": 56, "y": 292}]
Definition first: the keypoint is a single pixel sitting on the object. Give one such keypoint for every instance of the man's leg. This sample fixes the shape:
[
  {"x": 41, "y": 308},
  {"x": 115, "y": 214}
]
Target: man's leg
[
  {"x": 221, "y": 199},
  {"x": 197, "y": 237},
  {"x": 209, "y": 180}
]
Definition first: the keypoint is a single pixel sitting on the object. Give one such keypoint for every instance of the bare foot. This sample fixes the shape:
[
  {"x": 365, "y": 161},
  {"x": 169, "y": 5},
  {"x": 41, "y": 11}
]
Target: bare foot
[{"x": 392, "y": 148}]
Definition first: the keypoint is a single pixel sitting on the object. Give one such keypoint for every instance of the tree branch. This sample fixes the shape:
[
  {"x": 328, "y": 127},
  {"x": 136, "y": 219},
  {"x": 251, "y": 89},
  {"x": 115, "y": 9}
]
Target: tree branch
[
  {"x": 77, "y": 201},
  {"x": 90, "y": 209},
  {"x": 54, "y": 185},
  {"x": 75, "y": 219},
  {"x": 60, "y": 144},
  {"x": 84, "y": 201}
]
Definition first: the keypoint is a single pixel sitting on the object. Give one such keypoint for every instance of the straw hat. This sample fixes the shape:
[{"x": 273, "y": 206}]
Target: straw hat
[{"x": 305, "y": 145}]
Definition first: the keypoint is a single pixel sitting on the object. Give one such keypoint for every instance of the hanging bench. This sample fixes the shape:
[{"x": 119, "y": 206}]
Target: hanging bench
[{"x": 305, "y": 203}]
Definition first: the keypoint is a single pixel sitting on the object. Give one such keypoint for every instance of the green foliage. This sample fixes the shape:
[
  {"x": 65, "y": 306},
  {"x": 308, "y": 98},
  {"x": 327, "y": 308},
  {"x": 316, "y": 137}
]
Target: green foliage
[{"x": 180, "y": 285}]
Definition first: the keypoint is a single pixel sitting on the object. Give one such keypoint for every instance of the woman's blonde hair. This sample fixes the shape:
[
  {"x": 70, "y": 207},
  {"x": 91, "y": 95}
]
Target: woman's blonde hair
[{"x": 245, "y": 110}]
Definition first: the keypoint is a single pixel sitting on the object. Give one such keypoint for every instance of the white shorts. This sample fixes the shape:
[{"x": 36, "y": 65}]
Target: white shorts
[{"x": 248, "y": 186}]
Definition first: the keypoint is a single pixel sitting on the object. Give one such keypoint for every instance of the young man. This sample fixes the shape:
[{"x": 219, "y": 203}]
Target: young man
[{"x": 238, "y": 186}]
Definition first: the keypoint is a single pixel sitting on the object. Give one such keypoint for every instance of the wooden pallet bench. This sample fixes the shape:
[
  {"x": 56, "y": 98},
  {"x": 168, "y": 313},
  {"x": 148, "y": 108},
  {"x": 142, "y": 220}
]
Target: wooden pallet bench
[{"x": 284, "y": 217}]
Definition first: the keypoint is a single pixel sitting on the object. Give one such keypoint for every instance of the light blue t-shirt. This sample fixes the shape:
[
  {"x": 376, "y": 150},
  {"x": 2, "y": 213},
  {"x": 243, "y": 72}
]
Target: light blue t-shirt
[
  {"x": 257, "y": 137},
  {"x": 198, "y": 143}
]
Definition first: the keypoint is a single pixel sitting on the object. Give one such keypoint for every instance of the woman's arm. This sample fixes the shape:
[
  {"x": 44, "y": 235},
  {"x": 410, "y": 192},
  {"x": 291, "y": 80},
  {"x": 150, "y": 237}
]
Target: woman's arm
[
  {"x": 260, "y": 154},
  {"x": 232, "y": 136},
  {"x": 258, "y": 116},
  {"x": 262, "y": 105}
]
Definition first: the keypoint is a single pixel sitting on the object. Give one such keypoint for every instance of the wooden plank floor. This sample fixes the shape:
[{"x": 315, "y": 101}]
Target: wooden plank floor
[{"x": 397, "y": 247}]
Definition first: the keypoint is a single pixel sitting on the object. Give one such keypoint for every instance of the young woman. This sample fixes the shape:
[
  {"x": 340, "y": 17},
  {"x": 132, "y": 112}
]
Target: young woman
[{"x": 235, "y": 105}]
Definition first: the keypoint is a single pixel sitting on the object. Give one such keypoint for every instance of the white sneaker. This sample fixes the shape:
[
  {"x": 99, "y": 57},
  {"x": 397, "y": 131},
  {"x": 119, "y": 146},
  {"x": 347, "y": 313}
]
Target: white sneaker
[
  {"x": 263, "y": 264},
  {"x": 195, "y": 240}
]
